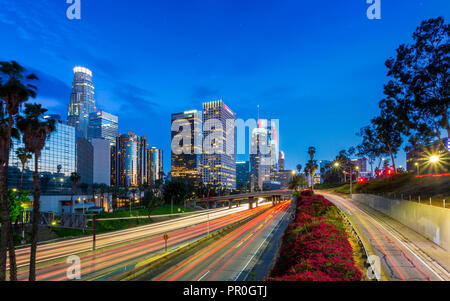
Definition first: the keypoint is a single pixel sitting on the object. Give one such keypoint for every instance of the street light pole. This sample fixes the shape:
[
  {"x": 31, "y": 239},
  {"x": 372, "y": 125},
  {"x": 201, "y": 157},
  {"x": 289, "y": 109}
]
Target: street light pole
[{"x": 351, "y": 181}]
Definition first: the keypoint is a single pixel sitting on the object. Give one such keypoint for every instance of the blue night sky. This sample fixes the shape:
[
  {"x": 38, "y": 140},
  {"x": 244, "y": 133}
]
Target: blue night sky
[{"x": 317, "y": 66}]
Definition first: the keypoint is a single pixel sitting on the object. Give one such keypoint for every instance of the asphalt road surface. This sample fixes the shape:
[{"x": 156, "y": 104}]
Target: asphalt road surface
[
  {"x": 233, "y": 256},
  {"x": 117, "y": 249},
  {"x": 404, "y": 255}
]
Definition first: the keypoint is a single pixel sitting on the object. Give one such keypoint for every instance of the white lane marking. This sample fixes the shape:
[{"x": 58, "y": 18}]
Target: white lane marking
[
  {"x": 254, "y": 254},
  {"x": 412, "y": 252},
  {"x": 199, "y": 279}
]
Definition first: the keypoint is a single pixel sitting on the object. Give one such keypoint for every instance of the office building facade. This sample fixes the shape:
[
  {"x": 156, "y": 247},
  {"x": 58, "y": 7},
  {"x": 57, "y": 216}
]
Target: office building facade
[
  {"x": 103, "y": 125},
  {"x": 281, "y": 161},
  {"x": 243, "y": 175},
  {"x": 186, "y": 159},
  {"x": 129, "y": 161},
  {"x": 156, "y": 167},
  {"x": 65, "y": 152},
  {"x": 82, "y": 100},
  {"x": 219, "y": 155},
  {"x": 101, "y": 161},
  {"x": 260, "y": 159},
  {"x": 283, "y": 177}
]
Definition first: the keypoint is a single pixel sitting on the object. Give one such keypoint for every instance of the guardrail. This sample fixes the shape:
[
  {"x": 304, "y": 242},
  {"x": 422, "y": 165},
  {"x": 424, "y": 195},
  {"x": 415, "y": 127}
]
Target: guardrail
[
  {"x": 424, "y": 199},
  {"x": 365, "y": 253}
]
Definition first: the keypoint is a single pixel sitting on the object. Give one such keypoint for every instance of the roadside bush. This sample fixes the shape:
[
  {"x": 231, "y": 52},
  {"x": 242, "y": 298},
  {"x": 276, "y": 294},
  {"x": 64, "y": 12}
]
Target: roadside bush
[{"x": 315, "y": 245}]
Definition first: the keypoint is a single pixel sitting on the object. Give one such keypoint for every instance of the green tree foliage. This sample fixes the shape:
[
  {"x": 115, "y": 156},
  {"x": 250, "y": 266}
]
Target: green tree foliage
[
  {"x": 17, "y": 198},
  {"x": 417, "y": 94},
  {"x": 176, "y": 190},
  {"x": 15, "y": 89},
  {"x": 35, "y": 133}
]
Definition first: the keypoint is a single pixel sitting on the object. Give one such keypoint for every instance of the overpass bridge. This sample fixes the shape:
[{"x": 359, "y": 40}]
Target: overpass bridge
[{"x": 274, "y": 196}]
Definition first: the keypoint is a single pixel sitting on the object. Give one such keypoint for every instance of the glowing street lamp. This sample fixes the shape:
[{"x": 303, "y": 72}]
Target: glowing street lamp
[
  {"x": 418, "y": 167},
  {"x": 434, "y": 159},
  {"x": 336, "y": 164}
]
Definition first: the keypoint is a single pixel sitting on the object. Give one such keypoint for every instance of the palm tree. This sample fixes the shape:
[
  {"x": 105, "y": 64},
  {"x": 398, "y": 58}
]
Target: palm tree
[
  {"x": 311, "y": 167},
  {"x": 24, "y": 156},
  {"x": 95, "y": 188},
  {"x": 311, "y": 152},
  {"x": 133, "y": 192},
  {"x": 294, "y": 182},
  {"x": 35, "y": 133},
  {"x": 15, "y": 89},
  {"x": 75, "y": 179},
  {"x": 299, "y": 168},
  {"x": 103, "y": 189}
]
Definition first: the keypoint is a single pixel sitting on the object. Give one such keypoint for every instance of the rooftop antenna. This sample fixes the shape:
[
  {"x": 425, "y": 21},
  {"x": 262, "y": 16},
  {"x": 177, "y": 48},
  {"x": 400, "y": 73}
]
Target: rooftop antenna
[{"x": 258, "y": 116}]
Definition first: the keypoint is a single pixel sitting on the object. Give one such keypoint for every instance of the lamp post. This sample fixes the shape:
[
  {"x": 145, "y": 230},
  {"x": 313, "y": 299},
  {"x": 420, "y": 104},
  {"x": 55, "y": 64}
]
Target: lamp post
[
  {"x": 351, "y": 180},
  {"x": 336, "y": 165},
  {"x": 418, "y": 168}
]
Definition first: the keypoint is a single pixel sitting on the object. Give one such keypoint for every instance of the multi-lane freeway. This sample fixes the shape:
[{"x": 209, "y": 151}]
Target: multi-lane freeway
[
  {"x": 233, "y": 256},
  {"x": 404, "y": 255},
  {"x": 118, "y": 249}
]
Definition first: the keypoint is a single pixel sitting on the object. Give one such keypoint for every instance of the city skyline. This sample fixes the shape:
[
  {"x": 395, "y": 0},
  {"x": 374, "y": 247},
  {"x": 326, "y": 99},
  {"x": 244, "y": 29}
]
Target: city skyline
[{"x": 203, "y": 70}]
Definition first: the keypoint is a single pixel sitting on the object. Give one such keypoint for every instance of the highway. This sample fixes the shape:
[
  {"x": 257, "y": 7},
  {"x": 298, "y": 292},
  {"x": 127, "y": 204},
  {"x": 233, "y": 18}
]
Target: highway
[
  {"x": 231, "y": 257},
  {"x": 404, "y": 254},
  {"x": 119, "y": 248}
]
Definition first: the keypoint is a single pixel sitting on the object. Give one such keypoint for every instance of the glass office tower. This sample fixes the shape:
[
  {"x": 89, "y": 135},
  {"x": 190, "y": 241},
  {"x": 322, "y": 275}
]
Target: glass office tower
[
  {"x": 156, "y": 165},
  {"x": 243, "y": 175},
  {"x": 187, "y": 164},
  {"x": 65, "y": 152},
  {"x": 82, "y": 100},
  {"x": 130, "y": 161},
  {"x": 219, "y": 168},
  {"x": 103, "y": 125},
  {"x": 259, "y": 158}
]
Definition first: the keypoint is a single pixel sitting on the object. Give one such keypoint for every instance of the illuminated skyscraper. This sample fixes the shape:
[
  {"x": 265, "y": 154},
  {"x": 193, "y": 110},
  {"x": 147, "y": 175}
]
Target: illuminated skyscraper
[
  {"x": 103, "y": 125},
  {"x": 65, "y": 152},
  {"x": 82, "y": 100},
  {"x": 186, "y": 159},
  {"x": 219, "y": 157},
  {"x": 264, "y": 153},
  {"x": 259, "y": 159},
  {"x": 129, "y": 164},
  {"x": 243, "y": 175},
  {"x": 281, "y": 161},
  {"x": 155, "y": 170}
]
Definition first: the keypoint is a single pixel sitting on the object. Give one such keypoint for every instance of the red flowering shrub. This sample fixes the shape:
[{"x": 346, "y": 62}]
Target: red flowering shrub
[
  {"x": 307, "y": 193},
  {"x": 315, "y": 245}
]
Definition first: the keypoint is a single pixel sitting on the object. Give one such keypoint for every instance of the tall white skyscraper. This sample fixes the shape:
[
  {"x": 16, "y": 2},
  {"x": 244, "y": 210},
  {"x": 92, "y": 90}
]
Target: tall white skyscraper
[{"x": 82, "y": 100}]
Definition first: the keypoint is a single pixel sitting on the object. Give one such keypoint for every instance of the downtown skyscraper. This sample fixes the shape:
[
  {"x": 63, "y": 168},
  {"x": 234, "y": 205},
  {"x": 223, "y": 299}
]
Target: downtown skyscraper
[
  {"x": 264, "y": 153},
  {"x": 103, "y": 125},
  {"x": 186, "y": 159},
  {"x": 219, "y": 164},
  {"x": 82, "y": 100},
  {"x": 155, "y": 167},
  {"x": 129, "y": 161}
]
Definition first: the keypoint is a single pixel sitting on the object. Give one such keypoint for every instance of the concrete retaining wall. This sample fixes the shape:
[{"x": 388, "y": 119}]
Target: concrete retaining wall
[{"x": 431, "y": 222}]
